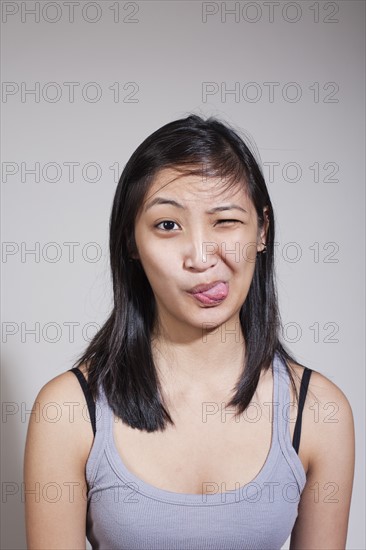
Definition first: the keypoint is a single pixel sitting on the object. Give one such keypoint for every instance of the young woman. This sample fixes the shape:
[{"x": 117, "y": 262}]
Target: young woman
[{"x": 195, "y": 408}]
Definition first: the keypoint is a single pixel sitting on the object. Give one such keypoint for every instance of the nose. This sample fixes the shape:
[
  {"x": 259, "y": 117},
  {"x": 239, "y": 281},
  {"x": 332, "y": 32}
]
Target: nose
[{"x": 201, "y": 254}]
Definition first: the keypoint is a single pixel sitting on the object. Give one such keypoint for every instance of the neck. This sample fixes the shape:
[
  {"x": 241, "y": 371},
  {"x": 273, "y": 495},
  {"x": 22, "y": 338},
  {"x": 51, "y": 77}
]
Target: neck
[{"x": 196, "y": 362}]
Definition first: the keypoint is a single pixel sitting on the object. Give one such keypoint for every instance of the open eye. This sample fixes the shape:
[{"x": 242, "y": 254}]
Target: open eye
[{"x": 168, "y": 222}]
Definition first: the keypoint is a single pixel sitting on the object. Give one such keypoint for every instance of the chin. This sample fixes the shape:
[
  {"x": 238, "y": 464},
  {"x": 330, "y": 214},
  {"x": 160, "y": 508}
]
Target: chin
[{"x": 212, "y": 316}]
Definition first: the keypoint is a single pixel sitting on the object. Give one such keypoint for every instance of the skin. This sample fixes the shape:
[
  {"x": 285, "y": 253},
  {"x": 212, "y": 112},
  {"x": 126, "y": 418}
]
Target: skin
[
  {"x": 180, "y": 248},
  {"x": 174, "y": 261}
]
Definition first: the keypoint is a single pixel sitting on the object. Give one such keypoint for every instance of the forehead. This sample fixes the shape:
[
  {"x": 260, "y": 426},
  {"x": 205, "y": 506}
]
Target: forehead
[{"x": 170, "y": 182}]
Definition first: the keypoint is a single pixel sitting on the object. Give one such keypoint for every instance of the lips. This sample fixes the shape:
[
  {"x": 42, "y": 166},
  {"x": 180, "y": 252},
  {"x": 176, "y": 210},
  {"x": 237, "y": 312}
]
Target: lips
[
  {"x": 204, "y": 287},
  {"x": 212, "y": 293}
]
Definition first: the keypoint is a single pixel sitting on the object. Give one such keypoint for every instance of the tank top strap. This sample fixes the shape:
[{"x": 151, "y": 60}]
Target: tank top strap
[
  {"x": 302, "y": 396},
  {"x": 88, "y": 396},
  {"x": 284, "y": 419},
  {"x": 102, "y": 419},
  {"x": 276, "y": 397},
  {"x": 102, "y": 410}
]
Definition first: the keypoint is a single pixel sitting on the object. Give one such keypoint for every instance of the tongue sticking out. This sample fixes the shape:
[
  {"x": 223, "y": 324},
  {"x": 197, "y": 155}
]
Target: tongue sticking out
[{"x": 217, "y": 292}]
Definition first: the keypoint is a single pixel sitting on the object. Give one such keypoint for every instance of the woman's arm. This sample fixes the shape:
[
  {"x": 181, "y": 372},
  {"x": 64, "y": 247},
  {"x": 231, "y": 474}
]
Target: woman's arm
[
  {"x": 322, "y": 521},
  {"x": 58, "y": 442}
]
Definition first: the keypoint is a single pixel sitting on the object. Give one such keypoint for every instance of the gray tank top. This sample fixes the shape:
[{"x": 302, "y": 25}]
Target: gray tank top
[{"x": 126, "y": 513}]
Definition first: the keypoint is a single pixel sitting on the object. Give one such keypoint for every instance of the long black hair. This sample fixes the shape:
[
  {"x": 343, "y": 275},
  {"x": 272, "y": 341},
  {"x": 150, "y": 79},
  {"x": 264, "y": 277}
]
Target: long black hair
[{"x": 119, "y": 357}]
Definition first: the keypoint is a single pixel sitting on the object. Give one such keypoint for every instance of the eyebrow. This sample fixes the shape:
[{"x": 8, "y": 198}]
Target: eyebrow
[{"x": 162, "y": 200}]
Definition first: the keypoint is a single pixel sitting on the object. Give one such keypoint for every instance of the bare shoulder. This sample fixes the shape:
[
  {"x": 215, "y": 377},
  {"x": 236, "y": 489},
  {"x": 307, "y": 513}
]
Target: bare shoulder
[
  {"x": 61, "y": 401},
  {"x": 58, "y": 442},
  {"x": 328, "y": 437},
  {"x": 327, "y": 414},
  {"x": 64, "y": 387},
  {"x": 322, "y": 390}
]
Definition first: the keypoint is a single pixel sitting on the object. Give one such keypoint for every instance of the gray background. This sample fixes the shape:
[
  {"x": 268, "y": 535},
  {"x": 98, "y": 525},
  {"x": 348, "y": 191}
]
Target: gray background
[{"x": 179, "y": 59}]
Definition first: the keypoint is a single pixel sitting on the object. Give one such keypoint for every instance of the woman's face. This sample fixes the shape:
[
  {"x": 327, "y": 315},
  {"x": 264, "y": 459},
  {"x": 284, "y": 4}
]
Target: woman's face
[{"x": 191, "y": 242}]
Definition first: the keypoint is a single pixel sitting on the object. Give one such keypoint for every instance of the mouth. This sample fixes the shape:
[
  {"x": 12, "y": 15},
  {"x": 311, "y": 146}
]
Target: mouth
[{"x": 211, "y": 293}]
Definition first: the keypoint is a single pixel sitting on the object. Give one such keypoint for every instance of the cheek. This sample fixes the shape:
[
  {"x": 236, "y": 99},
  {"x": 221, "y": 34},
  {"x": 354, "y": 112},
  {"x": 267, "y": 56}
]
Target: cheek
[
  {"x": 159, "y": 269},
  {"x": 250, "y": 253},
  {"x": 240, "y": 255}
]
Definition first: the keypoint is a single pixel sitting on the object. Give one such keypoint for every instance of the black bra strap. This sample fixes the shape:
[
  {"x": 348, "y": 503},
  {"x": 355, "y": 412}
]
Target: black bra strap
[
  {"x": 88, "y": 396},
  {"x": 303, "y": 390}
]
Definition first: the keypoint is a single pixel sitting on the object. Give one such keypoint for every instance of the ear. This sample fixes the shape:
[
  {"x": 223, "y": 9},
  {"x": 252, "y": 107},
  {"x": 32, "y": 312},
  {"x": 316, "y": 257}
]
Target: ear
[{"x": 262, "y": 235}]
